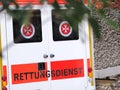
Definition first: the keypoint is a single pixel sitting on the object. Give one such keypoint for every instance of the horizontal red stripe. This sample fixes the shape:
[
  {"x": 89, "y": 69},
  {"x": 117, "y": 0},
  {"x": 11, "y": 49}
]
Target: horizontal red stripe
[
  {"x": 26, "y": 73},
  {"x": 20, "y": 2},
  {"x": 67, "y": 69}
]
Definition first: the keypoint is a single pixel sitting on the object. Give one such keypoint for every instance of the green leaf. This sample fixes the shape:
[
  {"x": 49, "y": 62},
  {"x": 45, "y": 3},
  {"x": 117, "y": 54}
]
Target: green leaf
[
  {"x": 112, "y": 23},
  {"x": 56, "y": 5},
  {"x": 95, "y": 26},
  {"x": 22, "y": 15},
  {"x": 109, "y": 21}
]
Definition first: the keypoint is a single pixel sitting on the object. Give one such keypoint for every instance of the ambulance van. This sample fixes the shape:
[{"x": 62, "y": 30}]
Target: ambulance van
[{"x": 47, "y": 53}]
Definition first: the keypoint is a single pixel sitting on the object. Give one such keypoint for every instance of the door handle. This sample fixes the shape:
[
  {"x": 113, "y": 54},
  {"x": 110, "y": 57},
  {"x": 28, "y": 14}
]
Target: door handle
[
  {"x": 52, "y": 55},
  {"x": 45, "y": 56}
]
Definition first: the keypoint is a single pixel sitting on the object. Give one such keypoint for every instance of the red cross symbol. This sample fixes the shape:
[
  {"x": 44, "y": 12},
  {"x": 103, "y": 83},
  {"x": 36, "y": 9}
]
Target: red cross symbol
[{"x": 65, "y": 28}]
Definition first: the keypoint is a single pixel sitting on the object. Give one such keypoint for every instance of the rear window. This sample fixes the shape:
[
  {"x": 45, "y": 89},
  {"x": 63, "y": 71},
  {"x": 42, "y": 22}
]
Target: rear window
[
  {"x": 28, "y": 33},
  {"x": 62, "y": 31}
]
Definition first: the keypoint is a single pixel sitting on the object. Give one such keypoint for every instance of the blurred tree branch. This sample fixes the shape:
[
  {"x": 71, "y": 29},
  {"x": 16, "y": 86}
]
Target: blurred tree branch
[{"x": 76, "y": 11}]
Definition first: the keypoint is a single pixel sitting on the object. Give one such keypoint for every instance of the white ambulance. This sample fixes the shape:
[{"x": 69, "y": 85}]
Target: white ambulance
[{"x": 47, "y": 53}]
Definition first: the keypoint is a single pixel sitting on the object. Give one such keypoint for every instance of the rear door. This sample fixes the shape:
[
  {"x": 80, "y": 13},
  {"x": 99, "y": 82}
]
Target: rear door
[
  {"x": 28, "y": 52},
  {"x": 67, "y": 55}
]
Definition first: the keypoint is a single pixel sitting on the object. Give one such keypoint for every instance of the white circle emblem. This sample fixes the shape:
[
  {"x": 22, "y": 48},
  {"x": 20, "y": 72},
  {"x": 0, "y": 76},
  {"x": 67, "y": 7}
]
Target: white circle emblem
[
  {"x": 65, "y": 29},
  {"x": 27, "y": 31}
]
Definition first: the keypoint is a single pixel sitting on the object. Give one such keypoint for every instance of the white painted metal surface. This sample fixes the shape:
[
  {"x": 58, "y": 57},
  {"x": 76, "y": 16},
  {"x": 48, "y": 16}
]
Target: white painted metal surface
[{"x": 47, "y": 51}]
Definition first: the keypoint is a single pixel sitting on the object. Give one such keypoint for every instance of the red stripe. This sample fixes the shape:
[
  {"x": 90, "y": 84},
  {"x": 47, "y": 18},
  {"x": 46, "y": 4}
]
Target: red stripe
[
  {"x": 38, "y": 1},
  {"x": 4, "y": 71},
  {"x": 26, "y": 73},
  {"x": 67, "y": 69}
]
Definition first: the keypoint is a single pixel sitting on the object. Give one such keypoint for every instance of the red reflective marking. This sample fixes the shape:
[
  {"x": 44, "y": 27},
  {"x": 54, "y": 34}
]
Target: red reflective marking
[
  {"x": 26, "y": 73},
  {"x": 4, "y": 71},
  {"x": 89, "y": 66},
  {"x": 4, "y": 78},
  {"x": 4, "y": 88},
  {"x": 89, "y": 70},
  {"x": 38, "y": 1},
  {"x": 58, "y": 1},
  {"x": 88, "y": 63},
  {"x": 67, "y": 69},
  {"x": 28, "y": 1}
]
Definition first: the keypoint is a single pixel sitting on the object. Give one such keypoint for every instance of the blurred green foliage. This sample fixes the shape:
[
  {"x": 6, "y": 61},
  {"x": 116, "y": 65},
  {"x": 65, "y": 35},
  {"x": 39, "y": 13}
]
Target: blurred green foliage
[{"x": 76, "y": 12}]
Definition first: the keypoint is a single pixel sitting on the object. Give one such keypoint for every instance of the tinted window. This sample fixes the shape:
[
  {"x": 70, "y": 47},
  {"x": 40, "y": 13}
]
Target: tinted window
[
  {"x": 62, "y": 31},
  {"x": 28, "y": 33}
]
